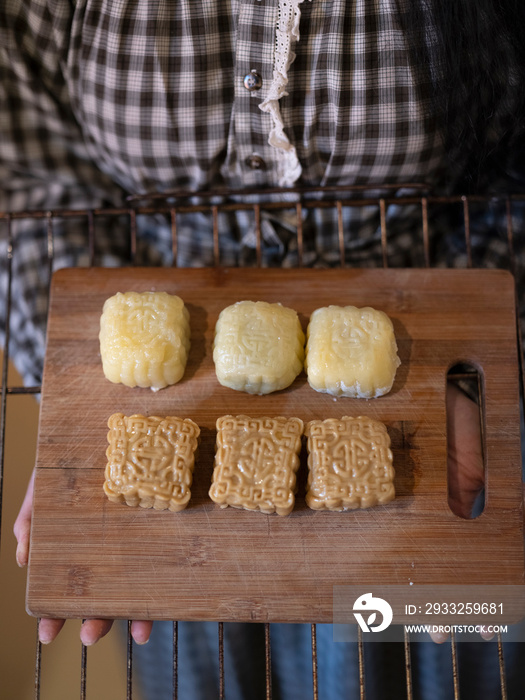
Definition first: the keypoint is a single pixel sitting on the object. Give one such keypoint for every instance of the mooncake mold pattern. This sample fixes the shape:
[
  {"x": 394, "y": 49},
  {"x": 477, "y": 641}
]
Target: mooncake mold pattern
[
  {"x": 349, "y": 463},
  {"x": 144, "y": 339},
  {"x": 150, "y": 461},
  {"x": 256, "y": 463},
  {"x": 259, "y": 347},
  {"x": 351, "y": 352}
]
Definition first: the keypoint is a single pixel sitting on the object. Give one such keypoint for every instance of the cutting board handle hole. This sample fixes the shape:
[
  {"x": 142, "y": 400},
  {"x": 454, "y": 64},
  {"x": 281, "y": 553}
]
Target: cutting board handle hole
[{"x": 466, "y": 468}]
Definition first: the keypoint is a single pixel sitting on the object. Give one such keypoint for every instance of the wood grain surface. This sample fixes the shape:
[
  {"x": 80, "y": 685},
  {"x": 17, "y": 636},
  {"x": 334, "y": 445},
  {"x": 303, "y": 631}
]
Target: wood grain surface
[{"x": 93, "y": 558}]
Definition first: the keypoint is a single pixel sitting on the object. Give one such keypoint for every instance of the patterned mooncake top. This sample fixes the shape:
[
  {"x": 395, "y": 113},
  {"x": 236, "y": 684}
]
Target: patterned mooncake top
[
  {"x": 150, "y": 460},
  {"x": 351, "y": 352},
  {"x": 259, "y": 347},
  {"x": 256, "y": 462},
  {"x": 350, "y": 464},
  {"x": 144, "y": 339}
]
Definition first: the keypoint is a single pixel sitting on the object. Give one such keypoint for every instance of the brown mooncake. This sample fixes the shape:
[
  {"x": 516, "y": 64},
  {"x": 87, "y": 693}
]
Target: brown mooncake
[
  {"x": 150, "y": 461},
  {"x": 349, "y": 464},
  {"x": 256, "y": 463}
]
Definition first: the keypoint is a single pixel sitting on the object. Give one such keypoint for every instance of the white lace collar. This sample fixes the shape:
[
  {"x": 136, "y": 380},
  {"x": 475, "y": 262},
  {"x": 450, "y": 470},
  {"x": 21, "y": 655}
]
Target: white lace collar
[{"x": 286, "y": 36}]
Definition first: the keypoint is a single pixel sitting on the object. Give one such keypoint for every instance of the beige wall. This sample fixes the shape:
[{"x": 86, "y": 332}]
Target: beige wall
[{"x": 61, "y": 661}]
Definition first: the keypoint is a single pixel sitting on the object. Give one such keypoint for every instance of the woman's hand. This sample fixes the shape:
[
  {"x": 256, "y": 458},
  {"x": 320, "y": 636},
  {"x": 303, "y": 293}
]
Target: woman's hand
[{"x": 91, "y": 630}]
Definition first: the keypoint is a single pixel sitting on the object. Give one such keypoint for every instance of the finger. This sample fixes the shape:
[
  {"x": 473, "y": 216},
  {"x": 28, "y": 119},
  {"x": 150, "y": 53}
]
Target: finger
[
  {"x": 141, "y": 630},
  {"x": 485, "y": 634},
  {"x": 22, "y": 526},
  {"x": 93, "y": 630},
  {"x": 48, "y": 629},
  {"x": 465, "y": 455},
  {"x": 438, "y": 637}
]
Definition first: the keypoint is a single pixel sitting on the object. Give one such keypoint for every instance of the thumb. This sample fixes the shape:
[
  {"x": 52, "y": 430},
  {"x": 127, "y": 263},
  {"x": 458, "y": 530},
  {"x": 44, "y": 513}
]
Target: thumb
[{"x": 22, "y": 526}]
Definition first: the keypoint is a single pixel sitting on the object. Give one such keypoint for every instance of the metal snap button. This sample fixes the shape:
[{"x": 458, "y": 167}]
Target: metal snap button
[
  {"x": 253, "y": 81},
  {"x": 255, "y": 162}
]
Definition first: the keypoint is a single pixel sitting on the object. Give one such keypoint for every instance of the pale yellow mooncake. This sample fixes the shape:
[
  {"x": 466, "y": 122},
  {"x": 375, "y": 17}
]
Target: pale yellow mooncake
[
  {"x": 256, "y": 463},
  {"x": 351, "y": 352},
  {"x": 150, "y": 461},
  {"x": 259, "y": 347},
  {"x": 144, "y": 339},
  {"x": 349, "y": 464}
]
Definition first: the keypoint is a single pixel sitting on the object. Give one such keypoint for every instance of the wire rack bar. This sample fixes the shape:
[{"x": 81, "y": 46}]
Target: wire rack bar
[
  {"x": 408, "y": 664},
  {"x": 216, "y": 255},
  {"x": 382, "y": 217},
  {"x": 300, "y": 240},
  {"x": 455, "y": 670},
  {"x": 510, "y": 234},
  {"x": 340, "y": 233},
  {"x": 129, "y": 664},
  {"x": 286, "y": 191},
  {"x": 245, "y": 206},
  {"x": 33, "y": 390},
  {"x": 83, "y": 672},
  {"x": 91, "y": 236},
  {"x": 466, "y": 219},
  {"x": 50, "y": 241},
  {"x": 314, "y": 663},
  {"x": 258, "y": 235},
  {"x": 38, "y": 665},
  {"x": 175, "y": 667},
  {"x": 174, "y": 239},
  {"x": 502, "y": 676},
  {"x": 426, "y": 238},
  {"x": 221, "y": 660},
  {"x": 361, "y": 657},
  {"x": 268, "y": 660},
  {"x": 133, "y": 234}
]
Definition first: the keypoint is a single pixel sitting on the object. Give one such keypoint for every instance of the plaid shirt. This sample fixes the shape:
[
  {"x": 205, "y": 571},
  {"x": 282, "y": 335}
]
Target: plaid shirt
[
  {"x": 100, "y": 98},
  {"x": 153, "y": 94}
]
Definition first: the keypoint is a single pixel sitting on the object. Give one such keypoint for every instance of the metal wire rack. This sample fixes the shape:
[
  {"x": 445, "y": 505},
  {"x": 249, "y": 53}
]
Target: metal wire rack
[{"x": 172, "y": 205}]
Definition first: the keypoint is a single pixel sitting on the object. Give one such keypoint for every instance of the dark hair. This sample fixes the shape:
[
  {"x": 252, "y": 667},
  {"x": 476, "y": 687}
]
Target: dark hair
[{"x": 475, "y": 50}]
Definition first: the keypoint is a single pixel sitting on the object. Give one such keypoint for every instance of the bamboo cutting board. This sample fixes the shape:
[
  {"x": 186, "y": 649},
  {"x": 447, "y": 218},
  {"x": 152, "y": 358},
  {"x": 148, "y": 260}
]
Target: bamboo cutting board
[{"x": 93, "y": 558}]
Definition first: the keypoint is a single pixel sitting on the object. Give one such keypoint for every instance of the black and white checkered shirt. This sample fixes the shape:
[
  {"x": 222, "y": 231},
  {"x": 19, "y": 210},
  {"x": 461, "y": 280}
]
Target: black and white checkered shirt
[
  {"x": 153, "y": 94},
  {"x": 102, "y": 98}
]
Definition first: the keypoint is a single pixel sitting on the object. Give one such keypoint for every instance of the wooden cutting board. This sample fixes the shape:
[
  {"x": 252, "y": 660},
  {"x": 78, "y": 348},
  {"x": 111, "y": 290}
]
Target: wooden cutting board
[{"x": 93, "y": 558}]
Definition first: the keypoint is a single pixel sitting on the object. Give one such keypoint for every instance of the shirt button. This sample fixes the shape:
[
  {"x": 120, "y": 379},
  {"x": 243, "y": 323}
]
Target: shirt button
[
  {"x": 253, "y": 81},
  {"x": 255, "y": 162}
]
